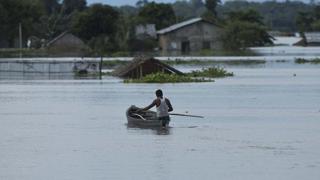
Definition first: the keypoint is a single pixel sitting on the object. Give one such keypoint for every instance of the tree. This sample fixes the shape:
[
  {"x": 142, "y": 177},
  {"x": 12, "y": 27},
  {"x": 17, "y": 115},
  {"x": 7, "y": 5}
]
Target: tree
[
  {"x": 240, "y": 35},
  {"x": 162, "y": 15},
  {"x": 197, "y": 3},
  {"x": 211, "y": 6},
  {"x": 316, "y": 12},
  {"x": 304, "y": 21},
  {"x": 97, "y": 25},
  {"x": 141, "y": 3},
  {"x": 69, "y": 6},
  {"x": 50, "y": 6},
  {"x": 13, "y": 13},
  {"x": 249, "y": 15},
  {"x": 315, "y": 25},
  {"x": 245, "y": 29}
]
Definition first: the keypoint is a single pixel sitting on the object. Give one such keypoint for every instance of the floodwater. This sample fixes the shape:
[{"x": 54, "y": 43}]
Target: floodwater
[{"x": 264, "y": 124}]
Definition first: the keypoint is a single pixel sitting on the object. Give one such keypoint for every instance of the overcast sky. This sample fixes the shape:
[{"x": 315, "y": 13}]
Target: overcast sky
[{"x": 133, "y": 2}]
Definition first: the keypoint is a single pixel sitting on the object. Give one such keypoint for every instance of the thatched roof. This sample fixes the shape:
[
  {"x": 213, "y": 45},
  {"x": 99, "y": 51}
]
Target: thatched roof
[{"x": 141, "y": 66}]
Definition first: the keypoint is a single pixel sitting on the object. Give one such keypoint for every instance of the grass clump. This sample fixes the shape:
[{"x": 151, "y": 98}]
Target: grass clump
[
  {"x": 212, "y": 72},
  {"x": 167, "y": 78},
  {"x": 303, "y": 61}
]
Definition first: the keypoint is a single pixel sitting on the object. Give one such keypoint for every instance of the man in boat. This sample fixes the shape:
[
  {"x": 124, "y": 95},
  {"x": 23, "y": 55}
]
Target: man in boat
[{"x": 163, "y": 106}]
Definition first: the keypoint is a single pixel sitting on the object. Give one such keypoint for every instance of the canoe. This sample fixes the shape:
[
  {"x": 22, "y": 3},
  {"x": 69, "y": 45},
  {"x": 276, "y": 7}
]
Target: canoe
[{"x": 142, "y": 119}]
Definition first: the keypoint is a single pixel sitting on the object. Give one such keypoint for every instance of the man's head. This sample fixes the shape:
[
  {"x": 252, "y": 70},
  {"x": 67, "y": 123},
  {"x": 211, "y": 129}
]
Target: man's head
[{"x": 159, "y": 93}]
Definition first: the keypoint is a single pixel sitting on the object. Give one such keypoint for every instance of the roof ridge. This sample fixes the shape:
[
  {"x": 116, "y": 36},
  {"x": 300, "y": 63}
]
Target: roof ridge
[
  {"x": 57, "y": 38},
  {"x": 179, "y": 25}
]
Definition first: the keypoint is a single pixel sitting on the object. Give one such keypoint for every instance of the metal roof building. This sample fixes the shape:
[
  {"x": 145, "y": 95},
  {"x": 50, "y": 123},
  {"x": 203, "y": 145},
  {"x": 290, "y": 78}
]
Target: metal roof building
[{"x": 189, "y": 37}]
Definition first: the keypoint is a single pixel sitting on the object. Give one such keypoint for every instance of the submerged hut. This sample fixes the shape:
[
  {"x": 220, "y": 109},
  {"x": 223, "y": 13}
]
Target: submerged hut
[
  {"x": 67, "y": 44},
  {"x": 309, "y": 39},
  {"x": 142, "y": 66}
]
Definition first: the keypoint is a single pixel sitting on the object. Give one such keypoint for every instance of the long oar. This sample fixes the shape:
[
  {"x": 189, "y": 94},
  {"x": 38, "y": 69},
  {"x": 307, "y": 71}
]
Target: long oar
[{"x": 176, "y": 114}]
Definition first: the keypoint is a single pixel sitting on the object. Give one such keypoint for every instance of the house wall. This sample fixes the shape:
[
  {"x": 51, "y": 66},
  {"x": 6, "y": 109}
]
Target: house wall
[
  {"x": 68, "y": 45},
  {"x": 196, "y": 34}
]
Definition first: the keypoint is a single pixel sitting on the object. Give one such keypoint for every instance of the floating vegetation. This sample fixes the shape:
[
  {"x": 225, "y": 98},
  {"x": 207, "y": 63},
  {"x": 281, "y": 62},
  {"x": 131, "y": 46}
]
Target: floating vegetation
[
  {"x": 303, "y": 61},
  {"x": 204, "y": 75},
  {"x": 282, "y": 61},
  {"x": 167, "y": 78},
  {"x": 212, "y": 72}
]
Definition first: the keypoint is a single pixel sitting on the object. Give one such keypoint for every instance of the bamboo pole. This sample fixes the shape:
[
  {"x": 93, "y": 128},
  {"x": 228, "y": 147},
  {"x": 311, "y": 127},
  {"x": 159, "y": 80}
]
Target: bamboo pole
[{"x": 176, "y": 114}]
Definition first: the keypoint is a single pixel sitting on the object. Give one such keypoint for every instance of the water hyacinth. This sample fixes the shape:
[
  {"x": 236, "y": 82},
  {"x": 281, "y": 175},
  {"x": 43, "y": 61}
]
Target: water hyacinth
[
  {"x": 166, "y": 78},
  {"x": 212, "y": 72},
  {"x": 204, "y": 75},
  {"x": 312, "y": 61}
]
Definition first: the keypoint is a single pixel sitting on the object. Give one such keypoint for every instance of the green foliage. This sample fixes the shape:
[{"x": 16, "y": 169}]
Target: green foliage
[
  {"x": 316, "y": 25},
  {"x": 303, "y": 61},
  {"x": 96, "y": 20},
  {"x": 185, "y": 10},
  {"x": 197, "y": 3},
  {"x": 240, "y": 35},
  {"x": 98, "y": 26},
  {"x": 160, "y": 14},
  {"x": 50, "y": 6},
  {"x": 245, "y": 29},
  {"x": 249, "y": 15},
  {"x": 204, "y": 75},
  {"x": 211, "y": 6},
  {"x": 41, "y": 18},
  {"x": 309, "y": 20},
  {"x": 304, "y": 21},
  {"x": 12, "y": 13},
  {"x": 212, "y": 72},
  {"x": 141, "y": 3},
  {"x": 276, "y": 15},
  {"x": 69, "y": 6},
  {"x": 166, "y": 78}
]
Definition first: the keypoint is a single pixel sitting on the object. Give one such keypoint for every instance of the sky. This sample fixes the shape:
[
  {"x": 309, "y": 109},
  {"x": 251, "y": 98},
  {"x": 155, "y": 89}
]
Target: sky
[{"x": 133, "y": 2}]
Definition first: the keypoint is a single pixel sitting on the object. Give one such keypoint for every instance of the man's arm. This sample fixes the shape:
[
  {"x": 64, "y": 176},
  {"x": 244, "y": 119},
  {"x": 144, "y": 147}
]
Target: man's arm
[
  {"x": 169, "y": 105},
  {"x": 149, "y": 107}
]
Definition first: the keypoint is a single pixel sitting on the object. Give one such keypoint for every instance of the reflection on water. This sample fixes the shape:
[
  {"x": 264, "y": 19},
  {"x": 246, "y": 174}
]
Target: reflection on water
[{"x": 155, "y": 130}]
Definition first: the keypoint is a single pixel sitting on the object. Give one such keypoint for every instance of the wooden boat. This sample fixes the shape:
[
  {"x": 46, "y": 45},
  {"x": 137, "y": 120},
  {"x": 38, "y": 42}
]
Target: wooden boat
[{"x": 142, "y": 119}]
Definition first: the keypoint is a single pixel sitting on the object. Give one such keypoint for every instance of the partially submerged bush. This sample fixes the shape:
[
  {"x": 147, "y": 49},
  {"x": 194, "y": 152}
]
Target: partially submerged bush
[{"x": 211, "y": 72}]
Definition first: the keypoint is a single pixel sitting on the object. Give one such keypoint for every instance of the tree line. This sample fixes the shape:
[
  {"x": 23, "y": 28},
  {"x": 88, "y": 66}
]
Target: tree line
[{"x": 108, "y": 29}]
